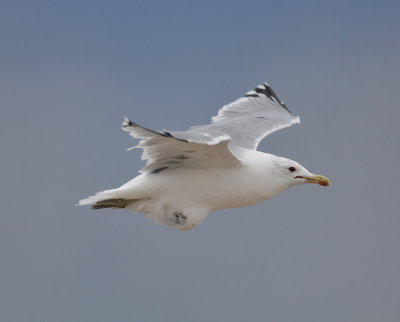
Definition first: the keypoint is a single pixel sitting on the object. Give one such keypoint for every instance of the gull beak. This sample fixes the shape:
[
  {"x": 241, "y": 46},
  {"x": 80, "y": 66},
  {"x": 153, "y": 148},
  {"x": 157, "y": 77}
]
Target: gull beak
[{"x": 316, "y": 178}]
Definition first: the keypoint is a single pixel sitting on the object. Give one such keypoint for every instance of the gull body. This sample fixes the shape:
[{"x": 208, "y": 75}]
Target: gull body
[{"x": 191, "y": 173}]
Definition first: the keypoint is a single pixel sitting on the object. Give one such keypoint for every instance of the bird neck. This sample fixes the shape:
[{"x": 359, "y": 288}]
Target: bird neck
[{"x": 265, "y": 171}]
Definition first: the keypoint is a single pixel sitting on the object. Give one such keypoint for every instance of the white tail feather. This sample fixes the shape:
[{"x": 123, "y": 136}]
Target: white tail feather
[{"x": 102, "y": 195}]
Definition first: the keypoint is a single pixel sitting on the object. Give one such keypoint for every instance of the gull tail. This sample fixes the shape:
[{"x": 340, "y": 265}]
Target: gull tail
[
  {"x": 131, "y": 195},
  {"x": 107, "y": 199}
]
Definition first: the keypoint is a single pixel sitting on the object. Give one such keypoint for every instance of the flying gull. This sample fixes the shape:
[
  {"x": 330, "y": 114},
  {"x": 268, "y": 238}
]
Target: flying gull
[{"x": 190, "y": 173}]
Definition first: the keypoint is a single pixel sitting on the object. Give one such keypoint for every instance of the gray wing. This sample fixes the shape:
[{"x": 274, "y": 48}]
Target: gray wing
[
  {"x": 248, "y": 119},
  {"x": 163, "y": 151}
]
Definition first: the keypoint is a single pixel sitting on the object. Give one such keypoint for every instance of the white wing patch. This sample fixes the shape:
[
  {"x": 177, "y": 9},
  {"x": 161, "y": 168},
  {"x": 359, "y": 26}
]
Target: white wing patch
[{"x": 252, "y": 117}]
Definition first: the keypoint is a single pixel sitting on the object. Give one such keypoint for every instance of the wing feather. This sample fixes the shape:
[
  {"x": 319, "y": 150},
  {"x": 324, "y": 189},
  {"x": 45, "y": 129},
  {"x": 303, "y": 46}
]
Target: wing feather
[
  {"x": 251, "y": 118},
  {"x": 163, "y": 150}
]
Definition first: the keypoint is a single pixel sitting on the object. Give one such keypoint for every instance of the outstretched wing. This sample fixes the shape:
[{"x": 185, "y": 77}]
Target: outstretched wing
[
  {"x": 166, "y": 151},
  {"x": 250, "y": 118}
]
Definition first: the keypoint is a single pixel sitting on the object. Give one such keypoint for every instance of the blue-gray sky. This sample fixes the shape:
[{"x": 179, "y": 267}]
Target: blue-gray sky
[{"x": 71, "y": 70}]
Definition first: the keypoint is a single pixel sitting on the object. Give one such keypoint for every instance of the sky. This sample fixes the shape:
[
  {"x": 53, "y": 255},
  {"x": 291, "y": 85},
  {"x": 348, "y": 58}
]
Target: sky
[{"x": 71, "y": 70}]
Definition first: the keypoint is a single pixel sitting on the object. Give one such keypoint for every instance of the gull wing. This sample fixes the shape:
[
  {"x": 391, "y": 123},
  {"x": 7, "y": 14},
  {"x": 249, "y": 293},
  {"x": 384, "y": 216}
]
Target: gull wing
[
  {"x": 250, "y": 118},
  {"x": 163, "y": 151}
]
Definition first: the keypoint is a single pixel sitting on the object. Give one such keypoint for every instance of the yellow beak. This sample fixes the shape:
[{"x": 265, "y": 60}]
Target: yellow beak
[{"x": 318, "y": 179}]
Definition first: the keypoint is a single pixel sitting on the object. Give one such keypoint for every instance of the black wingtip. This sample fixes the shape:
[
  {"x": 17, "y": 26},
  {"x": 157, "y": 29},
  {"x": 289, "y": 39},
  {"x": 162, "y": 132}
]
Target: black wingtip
[
  {"x": 268, "y": 92},
  {"x": 127, "y": 123},
  {"x": 251, "y": 95}
]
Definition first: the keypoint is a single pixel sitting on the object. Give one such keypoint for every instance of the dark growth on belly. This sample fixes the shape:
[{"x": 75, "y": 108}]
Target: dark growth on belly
[{"x": 180, "y": 218}]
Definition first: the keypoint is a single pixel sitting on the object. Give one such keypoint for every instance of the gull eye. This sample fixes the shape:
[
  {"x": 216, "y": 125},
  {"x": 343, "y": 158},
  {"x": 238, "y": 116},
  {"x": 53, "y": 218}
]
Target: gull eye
[{"x": 292, "y": 169}]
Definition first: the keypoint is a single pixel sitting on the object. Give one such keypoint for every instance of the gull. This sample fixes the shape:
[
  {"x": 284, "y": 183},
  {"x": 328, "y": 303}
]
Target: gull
[{"x": 190, "y": 173}]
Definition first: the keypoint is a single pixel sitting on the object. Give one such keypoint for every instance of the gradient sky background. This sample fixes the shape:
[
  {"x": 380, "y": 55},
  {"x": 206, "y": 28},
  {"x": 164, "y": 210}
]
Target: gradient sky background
[{"x": 71, "y": 70}]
